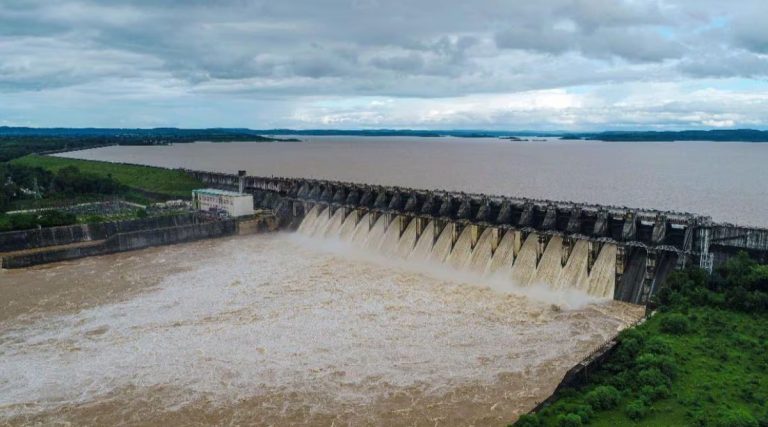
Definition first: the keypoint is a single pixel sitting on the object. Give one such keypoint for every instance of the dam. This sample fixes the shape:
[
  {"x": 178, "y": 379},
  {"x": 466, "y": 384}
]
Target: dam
[
  {"x": 608, "y": 252},
  {"x": 345, "y": 338}
]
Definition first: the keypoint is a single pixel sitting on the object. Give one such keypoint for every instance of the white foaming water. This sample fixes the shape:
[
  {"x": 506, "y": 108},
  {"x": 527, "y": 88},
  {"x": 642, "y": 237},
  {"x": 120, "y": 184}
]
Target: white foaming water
[
  {"x": 602, "y": 280},
  {"x": 505, "y": 253},
  {"x": 424, "y": 244},
  {"x": 483, "y": 252},
  {"x": 461, "y": 253},
  {"x": 407, "y": 242},
  {"x": 494, "y": 257},
  {"x": 264, "y": 315},
  {"x": 575, "y": 273}
]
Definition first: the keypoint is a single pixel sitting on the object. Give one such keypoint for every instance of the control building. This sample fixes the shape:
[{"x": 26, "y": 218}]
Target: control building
[{"x": 219, "y": 201}]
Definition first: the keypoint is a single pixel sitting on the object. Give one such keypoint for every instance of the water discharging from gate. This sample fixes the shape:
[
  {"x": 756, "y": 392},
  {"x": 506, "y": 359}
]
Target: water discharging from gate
[
  {"x": 265, "y": 330},
  {"x": 504, "y": 257}
]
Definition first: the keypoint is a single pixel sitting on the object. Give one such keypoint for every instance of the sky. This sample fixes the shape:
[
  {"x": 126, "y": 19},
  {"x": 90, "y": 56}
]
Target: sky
[{"x": 421, "y": 64}]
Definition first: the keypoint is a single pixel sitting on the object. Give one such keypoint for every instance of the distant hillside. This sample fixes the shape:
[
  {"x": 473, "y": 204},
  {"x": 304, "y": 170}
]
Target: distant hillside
[
  {"x": 737, "y": 135},
  {"x": 478, "y": 133},
  {"x": 19, "y": 141},
  {"x": 155, "y": 134}
]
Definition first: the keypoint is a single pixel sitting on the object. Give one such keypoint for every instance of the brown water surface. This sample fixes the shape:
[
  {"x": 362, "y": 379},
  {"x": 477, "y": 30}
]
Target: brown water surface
[
  {"x": 725, "y": 180},
  {"x": 268, "y": 330}
]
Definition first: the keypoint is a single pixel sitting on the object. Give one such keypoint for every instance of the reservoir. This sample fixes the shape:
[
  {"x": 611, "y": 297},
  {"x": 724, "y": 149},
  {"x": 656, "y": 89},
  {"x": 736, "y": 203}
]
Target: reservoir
[{"x": 723, "y": 180}]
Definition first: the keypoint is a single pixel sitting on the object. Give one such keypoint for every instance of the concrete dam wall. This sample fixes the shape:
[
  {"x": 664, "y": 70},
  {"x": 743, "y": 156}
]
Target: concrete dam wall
[
  {"x": 555, "y": 241},
  {"x": 127, "y": 241},
  {"x": 54, "y": 236}
]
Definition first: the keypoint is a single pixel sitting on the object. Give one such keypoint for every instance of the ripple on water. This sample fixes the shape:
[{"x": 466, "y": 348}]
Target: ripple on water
[{"x": 268, "y": 331}]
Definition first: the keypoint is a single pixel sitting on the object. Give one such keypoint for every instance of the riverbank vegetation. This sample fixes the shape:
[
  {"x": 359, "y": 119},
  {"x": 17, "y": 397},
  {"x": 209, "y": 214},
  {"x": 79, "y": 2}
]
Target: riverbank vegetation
[
  {"x": 702, "y": 360},
  {"x": 22, "y": 183},
  {"x": 25, "y": 221},
  {"x": 167, "y": 183},
  {"x": 57, "y": 191}
]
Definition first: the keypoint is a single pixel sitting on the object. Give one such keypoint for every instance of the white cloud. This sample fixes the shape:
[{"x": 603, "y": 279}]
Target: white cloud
[{"x": 431, "y": 63}]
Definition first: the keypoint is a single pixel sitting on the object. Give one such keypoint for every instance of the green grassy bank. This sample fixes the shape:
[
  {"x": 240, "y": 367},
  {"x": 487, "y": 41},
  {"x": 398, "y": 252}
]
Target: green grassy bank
[
  {"x": 702, "y": 360},
  {"x": 171, "y": 183}
]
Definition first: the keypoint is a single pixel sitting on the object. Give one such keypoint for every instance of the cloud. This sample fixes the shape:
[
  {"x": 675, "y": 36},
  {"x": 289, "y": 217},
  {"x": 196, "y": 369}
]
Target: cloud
[
  {"x": 748, "y": 28},
  {"x": 627, "y": 106},
  {"x": 292, "y": 61},
  {"x": 727, "y": 63}
]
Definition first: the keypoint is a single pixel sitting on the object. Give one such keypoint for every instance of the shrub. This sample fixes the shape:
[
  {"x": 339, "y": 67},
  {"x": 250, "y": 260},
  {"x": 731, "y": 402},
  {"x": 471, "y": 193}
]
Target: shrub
[
  {"x": 141, "y": 213},
  {"x": 736, "y": 418},
  {"x": 756, "y": 301},
  {"x": 569, "y": 420},
  {"x": 629, "y": 346},
  {"x": 22, "y": 221},
  {"x": 665, "y": 364},
  {"x": 55, "y": 218},
  {"x": 675, "y": 323},
  {"x": 621, "y": 380},
  {"x": 90, "y": 219},
  {"x": 584, "y": 411},
  {"x": 652, "y": 377},
  {"x": 757, "y": 278},
  {"x": 658, "y": 345},
  {"x": 603, "y": 397},
  {"x": 528, "y": 420},
  {"x": 636, "y": 410},
  {"x": 632, "y": 333},
  {"x": 650, "y": 394},
  {"x": 49, "y": 218}
]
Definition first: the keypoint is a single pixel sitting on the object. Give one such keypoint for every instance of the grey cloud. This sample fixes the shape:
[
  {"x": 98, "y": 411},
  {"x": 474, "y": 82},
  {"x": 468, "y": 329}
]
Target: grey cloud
[
  {"x": 294, "y": 49},
  {"x": 723, "y": 64},
  {"x": 751, "y": 31},
  {"x": 409, "y": 63},
  {"x": 534, "y": 39},
  {"x": 593, "y": 14},
  {"x": 631, "y": 44}
]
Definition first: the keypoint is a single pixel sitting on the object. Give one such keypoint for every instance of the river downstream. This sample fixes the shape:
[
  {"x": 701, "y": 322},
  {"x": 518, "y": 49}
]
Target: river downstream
[{"x": 275, "y": 330}]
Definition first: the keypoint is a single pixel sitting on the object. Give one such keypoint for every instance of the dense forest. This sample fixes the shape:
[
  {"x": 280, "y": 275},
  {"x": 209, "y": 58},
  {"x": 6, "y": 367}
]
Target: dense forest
[{"x": 701, "y": 360}]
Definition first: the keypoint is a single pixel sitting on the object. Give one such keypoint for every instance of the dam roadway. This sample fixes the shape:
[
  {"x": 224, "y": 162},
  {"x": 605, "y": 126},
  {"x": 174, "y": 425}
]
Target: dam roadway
[{"x": 647, "y": 244}]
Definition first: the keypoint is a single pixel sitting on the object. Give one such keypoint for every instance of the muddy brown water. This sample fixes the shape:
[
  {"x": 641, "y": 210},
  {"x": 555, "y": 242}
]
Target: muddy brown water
[
  {"x": 725, "y": 180},
  {"x": 272, "y": 330}
]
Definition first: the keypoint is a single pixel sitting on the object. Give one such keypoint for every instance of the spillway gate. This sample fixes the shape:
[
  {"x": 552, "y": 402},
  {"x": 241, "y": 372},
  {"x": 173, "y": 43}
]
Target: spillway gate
[{"x": 649, "y": 243}]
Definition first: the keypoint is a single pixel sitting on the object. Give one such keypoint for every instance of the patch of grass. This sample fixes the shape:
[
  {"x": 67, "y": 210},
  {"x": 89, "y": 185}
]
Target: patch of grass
[{"x": 141, "y": 179}]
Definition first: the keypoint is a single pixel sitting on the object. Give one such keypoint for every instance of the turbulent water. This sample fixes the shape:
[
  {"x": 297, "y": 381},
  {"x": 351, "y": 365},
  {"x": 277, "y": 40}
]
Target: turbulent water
[
  {"x": 725, "y": 180},
  {"x": 358, "y": 318},
  {"x": 492, "y": 255},
  {"x": 288, "y": 330}
]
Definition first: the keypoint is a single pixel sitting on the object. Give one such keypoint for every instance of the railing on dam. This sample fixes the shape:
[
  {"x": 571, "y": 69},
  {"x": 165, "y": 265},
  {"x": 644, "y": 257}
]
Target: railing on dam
[{"x": 650, "y": 242}]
